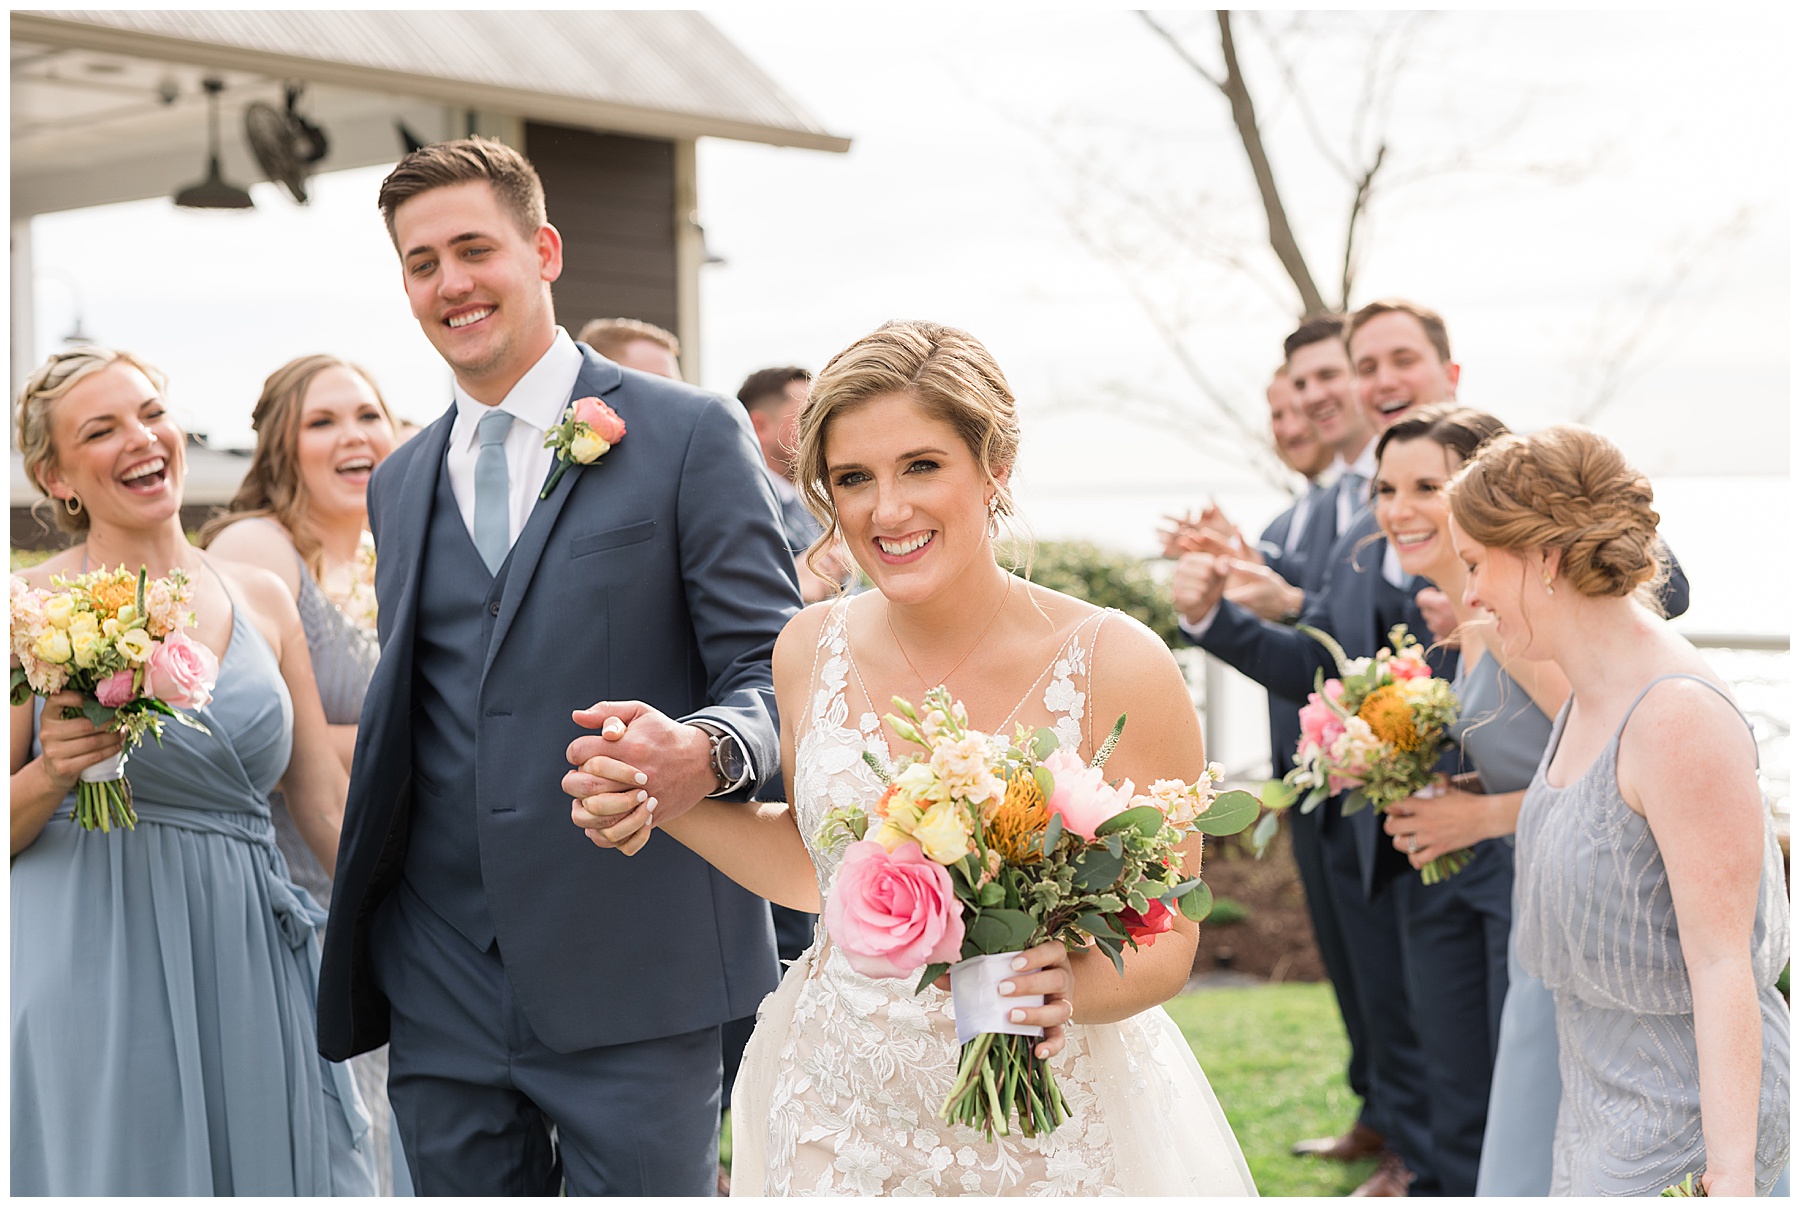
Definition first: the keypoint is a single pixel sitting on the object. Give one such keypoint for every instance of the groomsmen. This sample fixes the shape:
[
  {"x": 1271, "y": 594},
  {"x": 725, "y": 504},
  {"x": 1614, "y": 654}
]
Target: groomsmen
[{"x": 1358, "y": 935}]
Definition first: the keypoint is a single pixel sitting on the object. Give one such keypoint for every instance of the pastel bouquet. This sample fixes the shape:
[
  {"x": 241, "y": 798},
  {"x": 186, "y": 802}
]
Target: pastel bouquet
[
  {"x": 980, "y": 847},
  {"x": 1375, "y": 732},
  {"x": 115, "y": 637}
]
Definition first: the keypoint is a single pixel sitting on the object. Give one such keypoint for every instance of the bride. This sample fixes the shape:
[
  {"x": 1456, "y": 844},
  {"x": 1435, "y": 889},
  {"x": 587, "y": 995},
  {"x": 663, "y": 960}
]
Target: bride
[{"x": 906, "y": 447}]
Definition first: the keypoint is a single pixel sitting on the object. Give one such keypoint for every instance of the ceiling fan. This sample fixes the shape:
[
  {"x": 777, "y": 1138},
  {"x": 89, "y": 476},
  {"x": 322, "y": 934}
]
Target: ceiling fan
[{"x": 286, "y": 145}]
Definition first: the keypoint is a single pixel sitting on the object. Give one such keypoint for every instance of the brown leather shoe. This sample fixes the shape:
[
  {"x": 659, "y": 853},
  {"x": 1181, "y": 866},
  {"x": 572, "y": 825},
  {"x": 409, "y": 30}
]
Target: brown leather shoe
[
  {"x": 1354, "y": 1145},
  {"x": 1389, "y": 1181}
]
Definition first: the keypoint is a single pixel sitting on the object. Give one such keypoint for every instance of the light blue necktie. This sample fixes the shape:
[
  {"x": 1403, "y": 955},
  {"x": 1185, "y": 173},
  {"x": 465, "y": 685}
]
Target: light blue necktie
[
  {"x": 1352, "y": 493},
  {"x": 493, "y": 501}
]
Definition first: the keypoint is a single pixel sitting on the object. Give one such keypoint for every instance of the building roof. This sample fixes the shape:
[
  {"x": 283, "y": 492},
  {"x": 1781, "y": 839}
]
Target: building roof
[{"x": 659, "y": 74}]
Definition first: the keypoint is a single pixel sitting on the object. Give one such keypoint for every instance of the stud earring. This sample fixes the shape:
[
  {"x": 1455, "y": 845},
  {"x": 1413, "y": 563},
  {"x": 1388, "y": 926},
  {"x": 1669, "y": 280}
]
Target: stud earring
[{"x": 1548, "y": 589}]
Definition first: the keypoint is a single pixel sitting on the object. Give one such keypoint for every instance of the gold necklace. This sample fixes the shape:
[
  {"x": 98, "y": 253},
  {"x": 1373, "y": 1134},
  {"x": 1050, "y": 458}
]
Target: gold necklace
[{"x": 889, "y": 616}]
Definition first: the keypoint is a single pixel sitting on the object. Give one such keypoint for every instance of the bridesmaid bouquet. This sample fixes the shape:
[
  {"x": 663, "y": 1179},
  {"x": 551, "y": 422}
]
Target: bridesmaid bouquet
[
  {"x": 979, "y": 848},
  {"x": 117, "y": 639},
  {"x": 1377, "y": 731}
]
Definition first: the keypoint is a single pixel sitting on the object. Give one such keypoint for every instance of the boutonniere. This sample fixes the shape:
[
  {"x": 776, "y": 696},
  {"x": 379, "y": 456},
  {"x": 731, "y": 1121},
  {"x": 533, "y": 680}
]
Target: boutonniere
[{"x": 588, "y": 430}]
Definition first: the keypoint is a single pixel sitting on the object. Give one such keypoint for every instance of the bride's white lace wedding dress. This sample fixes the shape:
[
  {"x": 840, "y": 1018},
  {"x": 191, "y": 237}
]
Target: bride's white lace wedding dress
[{"x": 840, "y": 1086}]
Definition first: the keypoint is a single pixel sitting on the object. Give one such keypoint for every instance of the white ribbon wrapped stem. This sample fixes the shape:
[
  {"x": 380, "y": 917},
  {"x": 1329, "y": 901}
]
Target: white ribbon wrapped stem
[
  {"x": 105, "y": 770},
  {"x": 975, "y": 991}
]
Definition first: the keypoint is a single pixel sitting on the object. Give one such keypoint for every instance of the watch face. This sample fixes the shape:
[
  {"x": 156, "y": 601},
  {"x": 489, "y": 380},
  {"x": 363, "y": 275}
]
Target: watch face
[{"x": 730, "y": 759}]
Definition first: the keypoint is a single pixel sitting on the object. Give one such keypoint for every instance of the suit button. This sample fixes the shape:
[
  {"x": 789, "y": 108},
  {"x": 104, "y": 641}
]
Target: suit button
[{"x": 493, "y": 609}]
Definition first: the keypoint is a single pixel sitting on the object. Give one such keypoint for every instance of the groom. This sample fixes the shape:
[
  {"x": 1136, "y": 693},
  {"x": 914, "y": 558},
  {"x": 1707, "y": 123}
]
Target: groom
[{"x": 552, "y": 1009}]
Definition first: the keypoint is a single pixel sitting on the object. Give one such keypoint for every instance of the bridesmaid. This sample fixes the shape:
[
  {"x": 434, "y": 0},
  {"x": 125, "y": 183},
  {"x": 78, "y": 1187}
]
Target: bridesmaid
[
  {"x": 1505, "y": 724},
  {"x": 164, "y": 978},
  {"x": 1651, "y": 892},
  {"x": 302, "y": 513}
]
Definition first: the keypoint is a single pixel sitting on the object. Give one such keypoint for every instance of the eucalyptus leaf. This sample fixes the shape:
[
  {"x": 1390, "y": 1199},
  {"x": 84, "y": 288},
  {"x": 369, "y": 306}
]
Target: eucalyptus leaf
[
  {"x": 1100, "y": 926},
  {"x": 1052, "y": 834},
  {"x": 1115, "y": 844},
  {"x": 1043, "y": 744},
  {"x": 1145, "y": 819},
  {"x": 1355, "y": 802},
  {"x": 1197, "y": 904},
  {"x": 991, "y": 894},
  {"x": 1046, "y": 783},
  {"x": 1230, "y": 813},
  {"x": 1097, "y": 869},
  {"x": 21, "y": 686},
  {"x": 1264, "y": 834},
  {"x": 997, "y": 930},
  {"x": 98, "y": 713},
  {"x": 1313, "y": 799},
  {"x": 1279, "y": 794},
  {"x": 932, "y": 972}
]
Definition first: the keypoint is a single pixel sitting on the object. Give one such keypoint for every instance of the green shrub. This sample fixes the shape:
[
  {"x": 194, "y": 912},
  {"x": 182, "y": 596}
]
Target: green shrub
[
  {"x": 1106, "y": 579},
  {"x": 1225, "y": 911}
]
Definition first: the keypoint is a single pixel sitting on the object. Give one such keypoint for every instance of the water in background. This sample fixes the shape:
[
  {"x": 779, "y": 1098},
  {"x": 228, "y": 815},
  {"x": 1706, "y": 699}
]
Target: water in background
[{"x": 1730, "y": 534}]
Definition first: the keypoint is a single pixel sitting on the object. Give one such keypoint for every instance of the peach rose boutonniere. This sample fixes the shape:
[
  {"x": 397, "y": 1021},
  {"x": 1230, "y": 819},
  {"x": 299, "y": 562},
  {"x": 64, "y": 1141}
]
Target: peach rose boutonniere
[{"x": 588, "y": 431}]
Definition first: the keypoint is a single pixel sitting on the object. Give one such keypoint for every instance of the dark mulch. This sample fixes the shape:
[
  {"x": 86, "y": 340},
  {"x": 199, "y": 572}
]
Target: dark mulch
[{"x": 1275, "y": 940}]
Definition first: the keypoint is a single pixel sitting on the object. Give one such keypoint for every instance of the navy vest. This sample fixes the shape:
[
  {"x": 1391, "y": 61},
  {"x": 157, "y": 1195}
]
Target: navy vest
[{"x": 459, "y": 602}]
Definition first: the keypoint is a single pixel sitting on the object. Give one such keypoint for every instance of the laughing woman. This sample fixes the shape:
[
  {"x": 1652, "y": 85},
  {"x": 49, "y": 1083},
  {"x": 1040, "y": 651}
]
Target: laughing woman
[
  {"x": 302, "y": 513},
  {"x": 164, "y": 979}
]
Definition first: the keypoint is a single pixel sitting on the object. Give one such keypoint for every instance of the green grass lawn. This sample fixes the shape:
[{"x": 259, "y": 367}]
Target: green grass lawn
[{"x": 1275, "y": 1056}]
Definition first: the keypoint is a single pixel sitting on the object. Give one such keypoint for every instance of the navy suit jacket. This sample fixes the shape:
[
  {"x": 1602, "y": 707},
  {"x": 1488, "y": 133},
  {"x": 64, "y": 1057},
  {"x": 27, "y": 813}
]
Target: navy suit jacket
[{"x": 658, "y": 573}]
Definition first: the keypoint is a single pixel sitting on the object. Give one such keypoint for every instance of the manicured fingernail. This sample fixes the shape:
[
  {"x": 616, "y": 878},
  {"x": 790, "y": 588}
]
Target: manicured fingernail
[
  {"x": 1018, "y": 963},
  {"x": 650, "y": 805},
  {"x": 1018, "y": 1016},
  {"x": 642, "y": 797},
  {"x": 642, "y": 778},
  {"x": 1006, "y": 987}
]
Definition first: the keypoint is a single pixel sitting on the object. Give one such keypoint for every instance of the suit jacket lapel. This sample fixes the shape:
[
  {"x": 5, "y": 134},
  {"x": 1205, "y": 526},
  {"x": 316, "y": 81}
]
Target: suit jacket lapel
[
  {"x": 598, "y": 377},
  {"x": 406, "y": 540}
]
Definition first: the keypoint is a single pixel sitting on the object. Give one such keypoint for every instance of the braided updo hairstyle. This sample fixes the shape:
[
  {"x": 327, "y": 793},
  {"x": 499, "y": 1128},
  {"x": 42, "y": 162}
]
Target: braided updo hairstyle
[{"x": 1568, "y": 488}]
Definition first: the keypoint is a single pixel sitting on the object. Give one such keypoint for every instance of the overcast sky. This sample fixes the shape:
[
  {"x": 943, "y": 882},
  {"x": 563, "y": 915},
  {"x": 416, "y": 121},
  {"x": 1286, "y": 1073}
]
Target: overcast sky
[{"x": 982, "y": 141}]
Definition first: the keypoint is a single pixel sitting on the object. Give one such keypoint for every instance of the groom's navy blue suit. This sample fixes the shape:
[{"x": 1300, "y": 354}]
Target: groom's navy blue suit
[{"x": 528, "y": 978}]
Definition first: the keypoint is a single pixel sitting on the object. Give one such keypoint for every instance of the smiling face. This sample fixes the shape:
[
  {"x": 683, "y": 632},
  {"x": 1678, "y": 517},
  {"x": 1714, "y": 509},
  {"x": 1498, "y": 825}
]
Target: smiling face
[
  {"x": 343, "y": 435},
  {"x": 1398, "y": 368},
  {"x": 1296, "y": 441},
  {"x": 117, "y": 450},
  {"x": 479, "y": 287},
  {"x": 1411, "y": 507},
  {"x": 1503, "y": 584},
  {"x": 1326, "y": 388},
  {"x": 911, "y": 498}
]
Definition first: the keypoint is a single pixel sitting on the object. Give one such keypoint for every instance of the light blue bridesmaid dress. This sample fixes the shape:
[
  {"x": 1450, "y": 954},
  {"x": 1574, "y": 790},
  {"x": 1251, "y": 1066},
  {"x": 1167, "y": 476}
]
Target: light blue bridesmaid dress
[
  {"x": 164, "y": 979},
  {"x": 1503, "y": 734}
]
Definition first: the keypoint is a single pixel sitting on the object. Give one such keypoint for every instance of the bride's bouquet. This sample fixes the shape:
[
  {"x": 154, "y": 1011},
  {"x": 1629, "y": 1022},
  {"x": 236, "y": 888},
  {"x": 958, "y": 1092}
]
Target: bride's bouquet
[
  {"x": 981, "y": 847},
  {"x": 1376, "y": 731},
  {"x": 116, "y": 638}
]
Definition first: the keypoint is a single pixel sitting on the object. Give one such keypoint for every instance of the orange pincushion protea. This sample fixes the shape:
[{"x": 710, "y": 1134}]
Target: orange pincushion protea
[
  {"x": 1390, "y": 717},
  {"x": 114, "y": 593},
  {"x": 1019, "y": 816}
]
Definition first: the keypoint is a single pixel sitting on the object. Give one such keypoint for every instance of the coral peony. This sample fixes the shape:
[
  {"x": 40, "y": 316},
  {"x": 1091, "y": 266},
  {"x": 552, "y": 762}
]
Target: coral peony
[{"x": 1082, "y": 797}]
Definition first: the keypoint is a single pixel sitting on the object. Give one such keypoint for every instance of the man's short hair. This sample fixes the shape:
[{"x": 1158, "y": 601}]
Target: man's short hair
[
  {"x": 514, "y": 181},
  {"x": 609, "y": 337},
  {"x": 1431, "y": 320},
  {"x": 1313, "y": 329},
  {"x": 769, "y": 385}
]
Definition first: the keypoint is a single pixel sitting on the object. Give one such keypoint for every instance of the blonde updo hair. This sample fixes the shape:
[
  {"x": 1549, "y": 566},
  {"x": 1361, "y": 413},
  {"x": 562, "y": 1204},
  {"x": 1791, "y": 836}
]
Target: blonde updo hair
[
  {"x": 946, "y": 371},
  {"x": 272, "y": 487},
  {"x": 1567, "y": 488},
  {"x": 48, "y": 383}
]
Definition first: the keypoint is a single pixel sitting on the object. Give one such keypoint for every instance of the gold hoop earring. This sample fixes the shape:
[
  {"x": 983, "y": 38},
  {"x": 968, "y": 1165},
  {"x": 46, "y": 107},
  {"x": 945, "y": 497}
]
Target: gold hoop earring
[{"x": 72, "y": 505}]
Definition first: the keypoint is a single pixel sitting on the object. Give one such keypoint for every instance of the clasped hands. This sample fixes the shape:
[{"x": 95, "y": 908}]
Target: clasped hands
[{"x": 642, "y": 766}]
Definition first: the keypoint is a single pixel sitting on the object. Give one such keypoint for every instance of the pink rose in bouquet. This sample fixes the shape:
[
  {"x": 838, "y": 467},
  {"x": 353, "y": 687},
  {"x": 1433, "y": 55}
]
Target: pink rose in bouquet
[
  {"x": 1319, "y": 725},
  {"x": 181, "y": 672},
  {"x": 117, "y": 688},
  {"x": 1083, "y": 798},
  {"x": 604, "y": 421},
  {"x": 892, "y": 914}
]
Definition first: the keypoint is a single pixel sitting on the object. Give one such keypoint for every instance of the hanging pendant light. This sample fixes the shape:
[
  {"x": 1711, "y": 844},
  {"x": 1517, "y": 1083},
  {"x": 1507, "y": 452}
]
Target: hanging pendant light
[{"x": 213, "y": 193}]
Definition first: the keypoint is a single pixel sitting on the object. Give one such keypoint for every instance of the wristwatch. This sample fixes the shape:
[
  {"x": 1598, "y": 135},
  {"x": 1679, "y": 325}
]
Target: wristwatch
[{"x": 730, "y": 766}]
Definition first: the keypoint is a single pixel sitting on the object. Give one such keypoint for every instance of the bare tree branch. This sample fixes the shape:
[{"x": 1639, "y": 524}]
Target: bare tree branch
[
  {"x": 1357, "y": 204},
  {"x": 1243, "y": 115}
]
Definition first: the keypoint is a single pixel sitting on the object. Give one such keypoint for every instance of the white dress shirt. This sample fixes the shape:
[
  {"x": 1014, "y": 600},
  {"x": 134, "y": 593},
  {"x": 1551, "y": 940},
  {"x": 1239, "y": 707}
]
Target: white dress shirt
[{"x": 536, "y": 404}]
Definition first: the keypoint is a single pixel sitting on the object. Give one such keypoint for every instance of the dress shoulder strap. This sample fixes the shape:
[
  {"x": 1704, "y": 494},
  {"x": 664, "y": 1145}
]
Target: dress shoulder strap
[
  {"x": 818, "y": 700},
  {"x": 1704, "y": 682}
]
